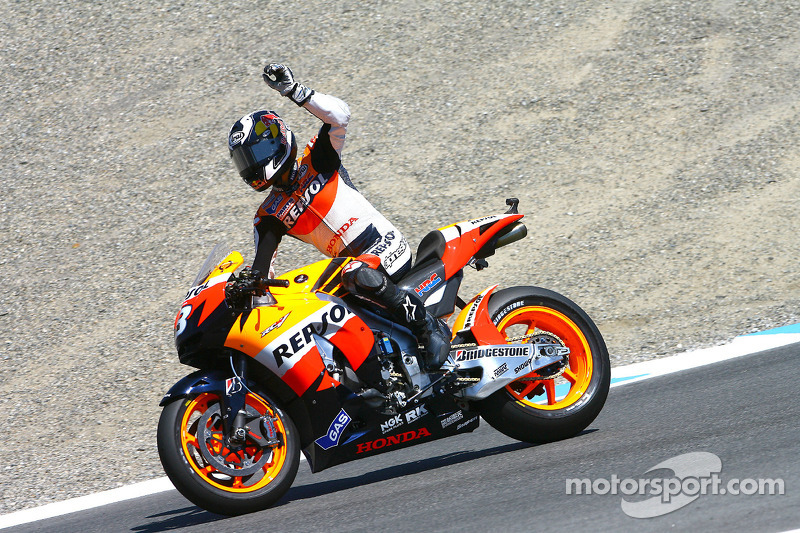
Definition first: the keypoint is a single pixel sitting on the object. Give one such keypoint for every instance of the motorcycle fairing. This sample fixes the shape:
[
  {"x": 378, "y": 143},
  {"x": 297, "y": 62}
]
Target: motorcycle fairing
[
  {"x": 284, "y": 342},
  {"x": 429, "y": 283},
  {"x": 434, "y": 418},
  {"x": 474, "y": 321},
  {"x": 204, "y": 316},
  {"x": 463, "y": 240}
]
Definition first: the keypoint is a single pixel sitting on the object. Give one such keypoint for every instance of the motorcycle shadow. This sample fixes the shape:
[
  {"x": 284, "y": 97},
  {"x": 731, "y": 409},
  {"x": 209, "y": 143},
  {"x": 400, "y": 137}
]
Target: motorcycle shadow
[
  {"x": 177, "y": 519},
  {"x": 322, "y": 488}
]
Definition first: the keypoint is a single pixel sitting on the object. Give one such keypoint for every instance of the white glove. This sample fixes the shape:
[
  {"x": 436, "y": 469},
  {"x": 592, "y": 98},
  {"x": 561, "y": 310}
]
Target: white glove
[{"x": 280, "y": 78}]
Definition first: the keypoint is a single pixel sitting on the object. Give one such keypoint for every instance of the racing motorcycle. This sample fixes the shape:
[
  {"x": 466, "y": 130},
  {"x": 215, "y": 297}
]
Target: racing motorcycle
[{"x": 297, "y": 364}]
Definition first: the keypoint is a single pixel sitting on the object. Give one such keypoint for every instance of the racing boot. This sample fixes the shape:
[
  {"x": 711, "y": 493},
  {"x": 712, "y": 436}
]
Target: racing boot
[
  {"x": 405, "y": 306},
  {"x": 435, "y": 338}
]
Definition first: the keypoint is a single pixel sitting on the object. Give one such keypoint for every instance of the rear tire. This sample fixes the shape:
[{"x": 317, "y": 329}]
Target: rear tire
[
  {"x": 539, "y": 411},
  {"x": 221, "y": 479}
]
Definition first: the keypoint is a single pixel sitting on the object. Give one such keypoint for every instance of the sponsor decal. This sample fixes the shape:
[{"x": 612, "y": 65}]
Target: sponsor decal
[
  {"x": 194, "y": 291},
  {"x": 313, "y": 188},
  {"x": 335, "y": 430},
  {"x": 507, "y": 309},
  {"x": 276, "y": 325},
  {"x": 521, "y": 367},
  {"x": 452, "y": 419},
  {"x": 393, "y": 440},
  {"x": 397, "y": 254},
  {"x": 338, "y": 235},
  {"x": 301, "y": 172},
  {"x": 391, "y": 424},
  {"x": 410, "y": 308},
  {"x": 500, "y": 370},
  {"x": 272, "y": 208},
  {"x": 428, "y": 284},
  {"x": 302, "y": 278},
  {"x": 338, "y": 315},
  {"x": 232, "y": 386},
  {"x": 470, "y": 320},
  {"x": 236, "y": 137},
  {"x": 482, "y": 219},
  {"x": 352, "y": 265},
  {"x": 503, "y": 351},
  {"x": 382, "y": 246},
  {"x": 468, "y": 422},
  {"x": 415, "y": 414},
  {"x": 285, "y": 209}
]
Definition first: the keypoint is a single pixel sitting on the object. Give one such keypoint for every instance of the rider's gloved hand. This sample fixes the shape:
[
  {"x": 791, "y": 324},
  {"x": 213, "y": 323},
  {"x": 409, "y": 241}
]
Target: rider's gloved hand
[
  {"x": 248, "y": 273},
  {"x": 280, "y": 78}
]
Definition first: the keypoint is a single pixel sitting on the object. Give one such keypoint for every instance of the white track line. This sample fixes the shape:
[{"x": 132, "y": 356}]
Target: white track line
[{"x": 740, "y": 346}]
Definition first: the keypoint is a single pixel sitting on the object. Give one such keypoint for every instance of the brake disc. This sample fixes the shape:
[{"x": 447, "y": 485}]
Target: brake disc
[{"x": 232, "y": 460}]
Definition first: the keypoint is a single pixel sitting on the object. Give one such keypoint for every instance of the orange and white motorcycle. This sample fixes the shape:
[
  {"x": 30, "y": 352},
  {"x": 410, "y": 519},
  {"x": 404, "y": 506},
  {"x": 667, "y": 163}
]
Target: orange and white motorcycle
[{"x": 297, "y": 364}]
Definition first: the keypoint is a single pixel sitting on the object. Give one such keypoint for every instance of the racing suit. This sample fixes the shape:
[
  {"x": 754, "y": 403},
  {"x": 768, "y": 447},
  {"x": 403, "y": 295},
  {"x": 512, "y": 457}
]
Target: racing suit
[{"x": 322, "y": 207}]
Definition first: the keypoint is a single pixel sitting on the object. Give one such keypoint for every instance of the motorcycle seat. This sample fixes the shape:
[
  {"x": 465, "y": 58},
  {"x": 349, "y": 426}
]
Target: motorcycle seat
[{"x": 431, "y": 247}]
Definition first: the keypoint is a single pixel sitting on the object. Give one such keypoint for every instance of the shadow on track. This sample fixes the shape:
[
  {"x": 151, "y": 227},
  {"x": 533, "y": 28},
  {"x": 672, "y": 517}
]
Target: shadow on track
[
  {"x": 192, "y": 516},
  {"x": 314, "y": 490},
  {"x": 178, "y": 518}
]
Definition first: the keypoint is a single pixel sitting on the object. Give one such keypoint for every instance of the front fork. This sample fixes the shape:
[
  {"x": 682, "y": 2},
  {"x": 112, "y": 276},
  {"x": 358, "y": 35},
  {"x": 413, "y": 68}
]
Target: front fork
[{"x": 232, "y": 403}]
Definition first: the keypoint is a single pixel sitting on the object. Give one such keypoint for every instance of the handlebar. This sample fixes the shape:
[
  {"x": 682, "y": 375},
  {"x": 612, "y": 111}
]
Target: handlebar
[{"x": 274, "y": 282}]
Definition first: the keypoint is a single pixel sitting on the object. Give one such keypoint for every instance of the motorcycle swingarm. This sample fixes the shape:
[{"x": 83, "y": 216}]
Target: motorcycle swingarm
[{"x": 501, "y": 364}]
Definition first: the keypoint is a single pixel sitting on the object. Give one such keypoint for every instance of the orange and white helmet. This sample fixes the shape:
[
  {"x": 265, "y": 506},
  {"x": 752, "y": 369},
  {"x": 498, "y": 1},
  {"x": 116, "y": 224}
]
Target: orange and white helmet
[{"x": 263, "y": 149}]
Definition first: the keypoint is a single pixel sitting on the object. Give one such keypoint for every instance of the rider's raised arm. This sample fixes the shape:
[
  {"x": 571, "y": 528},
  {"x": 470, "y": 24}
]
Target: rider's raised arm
[
  {"x": 329, "y": 109},
  {"x": 333, "y": 111}
]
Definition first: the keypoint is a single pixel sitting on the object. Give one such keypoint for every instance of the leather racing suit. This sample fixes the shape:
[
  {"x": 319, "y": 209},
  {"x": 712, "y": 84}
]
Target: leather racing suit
[{"x": 322, "y": 207}]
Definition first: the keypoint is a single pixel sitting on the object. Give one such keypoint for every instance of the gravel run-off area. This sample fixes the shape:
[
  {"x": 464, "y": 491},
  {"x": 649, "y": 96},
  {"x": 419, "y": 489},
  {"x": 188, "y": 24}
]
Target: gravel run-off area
[{"x": 653, "y": 145}]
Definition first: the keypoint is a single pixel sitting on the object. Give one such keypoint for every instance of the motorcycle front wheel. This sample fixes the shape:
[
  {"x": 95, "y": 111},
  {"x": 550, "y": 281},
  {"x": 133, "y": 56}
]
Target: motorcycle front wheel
[
  {"x": 217, "y": 475},
  {"x": 544, "y": 409}
]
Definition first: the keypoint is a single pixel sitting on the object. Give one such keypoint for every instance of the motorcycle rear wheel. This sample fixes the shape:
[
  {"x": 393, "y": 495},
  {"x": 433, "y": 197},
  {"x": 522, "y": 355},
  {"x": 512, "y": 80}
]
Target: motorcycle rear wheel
[
  {"x": 221, "y": 478},
  {"x": 539, "y": 411}
]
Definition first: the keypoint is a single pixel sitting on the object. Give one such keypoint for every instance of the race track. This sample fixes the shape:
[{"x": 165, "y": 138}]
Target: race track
[{"x": 743, "y": 411}]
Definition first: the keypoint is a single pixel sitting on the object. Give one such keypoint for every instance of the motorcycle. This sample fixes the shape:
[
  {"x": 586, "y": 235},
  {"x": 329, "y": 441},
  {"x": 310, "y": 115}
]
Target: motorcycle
[{"x": 297, "y": 364}]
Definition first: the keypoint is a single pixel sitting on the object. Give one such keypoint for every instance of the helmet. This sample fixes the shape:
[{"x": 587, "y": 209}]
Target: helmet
[{"x": 263, "y": 149}]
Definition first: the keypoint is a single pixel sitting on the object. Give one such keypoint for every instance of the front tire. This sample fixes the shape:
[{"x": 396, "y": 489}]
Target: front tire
[
  {"x": 545, "y": 410},
  {"x": 217, "y": 476}
]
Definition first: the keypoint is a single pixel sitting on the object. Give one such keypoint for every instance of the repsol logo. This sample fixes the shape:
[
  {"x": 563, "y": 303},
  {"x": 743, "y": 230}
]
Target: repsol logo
[
  {"x": 194, "y": 291},
  {"x": 479, "y": 353},
  {"x": 335, "y": 317},
  {"x": 381, "y": 247},
  {"x": 392, "y": 440},
  {"x": 470, "y": 320},
  {"x": 314, "y": 187}
]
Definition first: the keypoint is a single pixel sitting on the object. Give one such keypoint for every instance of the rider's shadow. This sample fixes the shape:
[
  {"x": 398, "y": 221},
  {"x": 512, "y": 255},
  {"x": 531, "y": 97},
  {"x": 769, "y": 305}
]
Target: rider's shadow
[{"x": 313, "y": 490}]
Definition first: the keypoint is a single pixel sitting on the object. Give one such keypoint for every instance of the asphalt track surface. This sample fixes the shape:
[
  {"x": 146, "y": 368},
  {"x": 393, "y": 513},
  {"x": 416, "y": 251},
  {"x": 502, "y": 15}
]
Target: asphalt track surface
[{"x": 743, "y": 410}]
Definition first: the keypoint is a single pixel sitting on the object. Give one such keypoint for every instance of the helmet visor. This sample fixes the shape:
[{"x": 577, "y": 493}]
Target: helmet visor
[{"x": 247, "y": 159}]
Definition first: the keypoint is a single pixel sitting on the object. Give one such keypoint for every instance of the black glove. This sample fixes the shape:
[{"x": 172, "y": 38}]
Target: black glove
[{"x": 280, "y": 78}]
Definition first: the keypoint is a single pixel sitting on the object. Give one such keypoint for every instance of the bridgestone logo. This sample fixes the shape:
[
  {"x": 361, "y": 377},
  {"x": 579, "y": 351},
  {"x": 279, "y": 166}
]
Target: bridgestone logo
[{"x": 479, "y": 353}]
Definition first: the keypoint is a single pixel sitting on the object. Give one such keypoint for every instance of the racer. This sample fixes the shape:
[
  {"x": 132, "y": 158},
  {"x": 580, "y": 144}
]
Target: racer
[{"x": 313, "y": 200}]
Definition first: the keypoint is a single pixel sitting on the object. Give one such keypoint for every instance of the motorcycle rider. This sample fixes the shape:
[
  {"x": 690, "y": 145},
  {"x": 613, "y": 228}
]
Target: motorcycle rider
[{"x": 313, "y": 200}]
